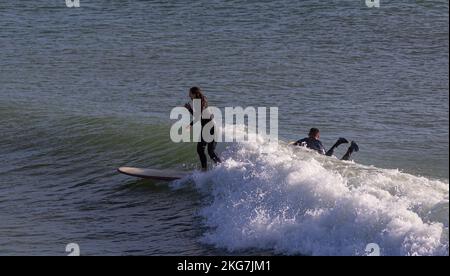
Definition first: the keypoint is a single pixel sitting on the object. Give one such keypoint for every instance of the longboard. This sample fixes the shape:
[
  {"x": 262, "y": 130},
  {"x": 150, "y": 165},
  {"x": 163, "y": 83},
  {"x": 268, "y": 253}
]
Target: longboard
[{"x": 166, "y": 175}]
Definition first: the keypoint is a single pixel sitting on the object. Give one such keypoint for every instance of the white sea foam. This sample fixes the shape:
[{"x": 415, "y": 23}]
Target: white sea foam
[{"x": 292, "y": 201}]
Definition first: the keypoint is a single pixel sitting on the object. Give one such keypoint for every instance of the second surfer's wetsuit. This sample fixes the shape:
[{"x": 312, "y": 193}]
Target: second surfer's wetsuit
[
  {"x": 315, "y": 144},
  {"x": 202, "y": 145},
  {"x": 312, "y": 143}
]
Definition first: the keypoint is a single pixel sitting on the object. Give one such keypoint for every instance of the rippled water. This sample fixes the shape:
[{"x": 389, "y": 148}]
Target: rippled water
[{"x": 84, "y": 91}]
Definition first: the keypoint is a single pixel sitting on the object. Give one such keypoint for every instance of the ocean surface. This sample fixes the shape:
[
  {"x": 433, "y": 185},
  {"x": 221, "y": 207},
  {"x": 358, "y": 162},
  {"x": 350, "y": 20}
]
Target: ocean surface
[{"x": 86, "y": 90}]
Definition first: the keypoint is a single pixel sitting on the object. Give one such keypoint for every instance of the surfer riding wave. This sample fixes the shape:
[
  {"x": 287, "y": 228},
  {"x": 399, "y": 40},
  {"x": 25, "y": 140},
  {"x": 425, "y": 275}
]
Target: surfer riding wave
[{"x": 196, "y": 93}]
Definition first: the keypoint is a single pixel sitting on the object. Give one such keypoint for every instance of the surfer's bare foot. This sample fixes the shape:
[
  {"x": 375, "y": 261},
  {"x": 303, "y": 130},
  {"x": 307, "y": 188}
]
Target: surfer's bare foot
[
  {"x": 354, "y": 147},
  {"x": 341, "y": 141}
]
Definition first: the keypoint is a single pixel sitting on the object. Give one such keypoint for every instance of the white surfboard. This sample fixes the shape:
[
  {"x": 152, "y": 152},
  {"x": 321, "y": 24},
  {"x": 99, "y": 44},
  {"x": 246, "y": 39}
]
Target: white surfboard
[{"x": 166, "y": 175}]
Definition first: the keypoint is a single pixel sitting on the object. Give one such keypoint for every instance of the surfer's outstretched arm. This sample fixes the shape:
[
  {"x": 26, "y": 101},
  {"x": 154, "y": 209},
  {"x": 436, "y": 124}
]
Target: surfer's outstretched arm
[{"x": 338, "y": 142}]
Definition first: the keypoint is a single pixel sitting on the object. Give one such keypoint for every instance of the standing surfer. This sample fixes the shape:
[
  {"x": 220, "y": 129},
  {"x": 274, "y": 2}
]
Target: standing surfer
[{"x": 195, "y": 93}]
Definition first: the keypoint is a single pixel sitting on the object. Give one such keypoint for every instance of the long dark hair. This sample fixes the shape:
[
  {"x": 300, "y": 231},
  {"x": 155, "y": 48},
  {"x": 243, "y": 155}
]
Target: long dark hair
[{"x": 198, "y": 94}]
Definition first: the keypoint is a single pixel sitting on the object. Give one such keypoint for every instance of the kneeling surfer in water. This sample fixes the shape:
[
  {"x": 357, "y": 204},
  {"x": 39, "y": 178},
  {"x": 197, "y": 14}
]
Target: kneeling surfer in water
[
  {"x": 196, "y": 93},
  {"x": 313, "y": 142}
]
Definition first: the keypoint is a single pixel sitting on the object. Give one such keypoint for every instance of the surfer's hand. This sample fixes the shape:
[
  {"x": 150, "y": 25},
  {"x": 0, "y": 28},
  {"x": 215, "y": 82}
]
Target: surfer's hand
[
  {"x": 188, "y": 127},
  {"x": 188, "y": 107}
]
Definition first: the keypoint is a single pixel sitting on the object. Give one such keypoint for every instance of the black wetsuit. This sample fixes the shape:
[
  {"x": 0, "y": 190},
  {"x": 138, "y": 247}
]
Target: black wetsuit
[
  {"x": 315, "y": 144},
  {"x": 202, "y": 145},
  {"x": 312, "y": 143}
]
